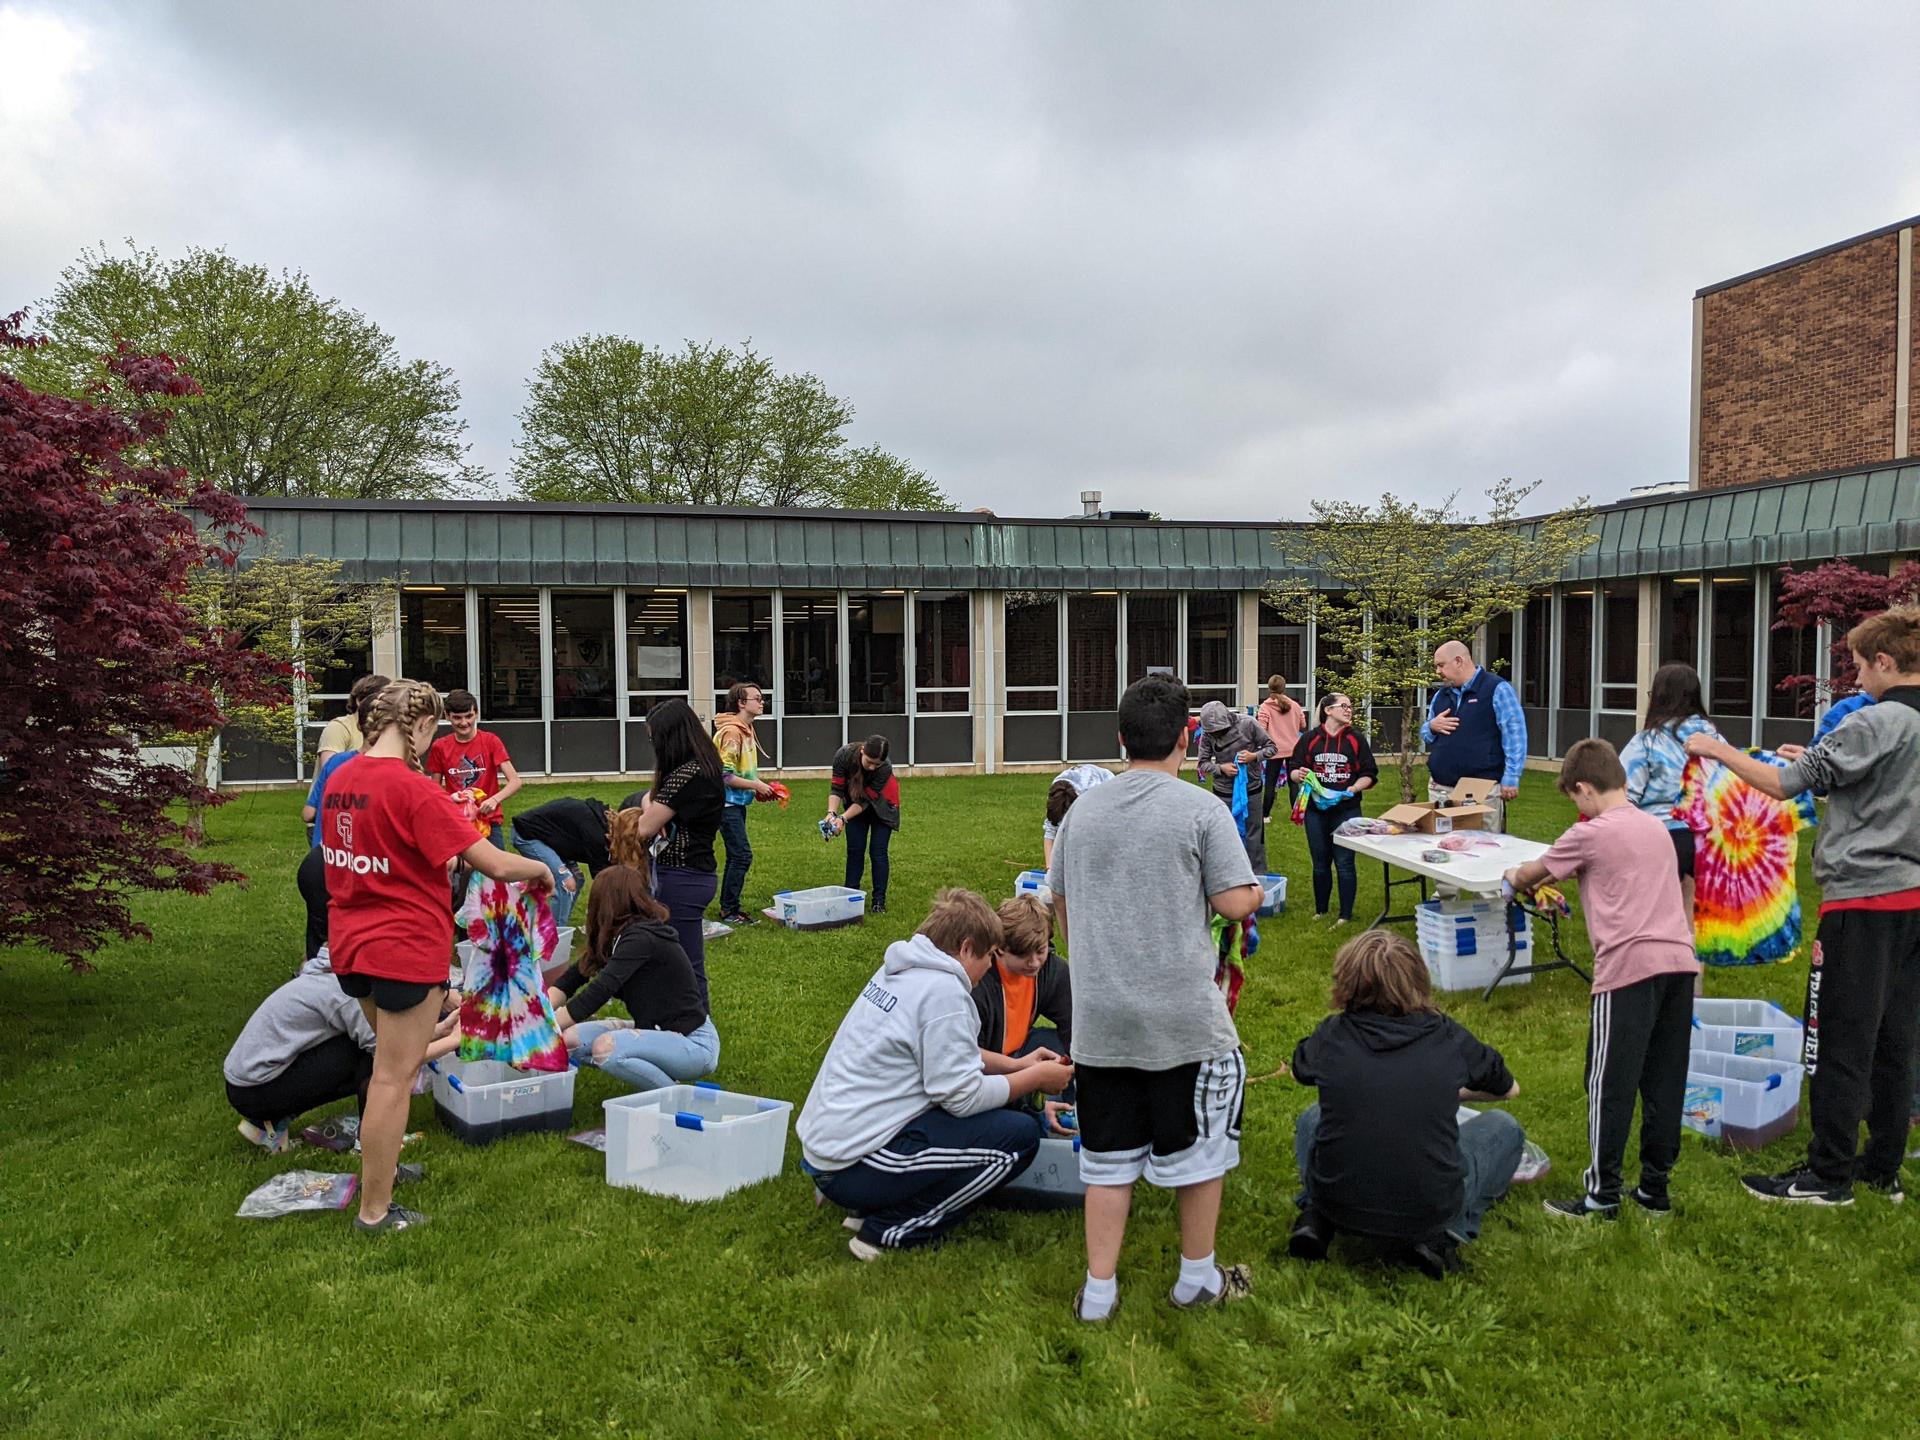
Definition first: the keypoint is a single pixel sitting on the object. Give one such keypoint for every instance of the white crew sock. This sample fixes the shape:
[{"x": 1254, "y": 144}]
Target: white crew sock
[
  {"x": 1197, "y": 1278},
  {"x": 1099, "y": 1297}
]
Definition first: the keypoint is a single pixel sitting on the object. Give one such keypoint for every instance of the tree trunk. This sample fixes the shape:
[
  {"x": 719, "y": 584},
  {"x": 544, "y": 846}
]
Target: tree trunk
[
  {"x": 1409, "y": 734},
  {"x": 203, "y": 752}
]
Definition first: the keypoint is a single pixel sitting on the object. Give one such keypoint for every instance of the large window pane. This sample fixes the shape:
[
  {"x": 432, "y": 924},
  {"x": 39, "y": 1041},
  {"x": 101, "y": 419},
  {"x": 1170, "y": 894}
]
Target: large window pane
[
  {"x": 1330, "y": 659},
  {"x": 347, "y": 664},
  {"x": 656, "y": 647},
  {"x": 1730, "y": 658},
  {"x": 1536, "y": 660},
  {"x": 1620, "y": 647},
  {"x": 877, "y": 659},
  {"x": 942, "y": 651},
  {"x": 1213, "y": 655},
  {"x": 582, "y": 655},
  {"x": 743, "y": 644},
  {"x": 1499, "y": 656},
  {"x": 1283, "y": 646},
  {"x": 510, "y": 655},
  {"x": 1093, "y": 652},
  {"x": 1680, "y": 632},
  {"x": 1033, "y": 651},
  {"x": 810, "y": 641},
  {"x": 433, "y": 640},
  {"x": 1576, "y": 651},
  {"x": 1152, "y": 632}
]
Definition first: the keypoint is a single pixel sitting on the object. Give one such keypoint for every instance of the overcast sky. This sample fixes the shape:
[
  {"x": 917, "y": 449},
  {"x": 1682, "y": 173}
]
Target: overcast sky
[{"x": 1213, "y": 261}]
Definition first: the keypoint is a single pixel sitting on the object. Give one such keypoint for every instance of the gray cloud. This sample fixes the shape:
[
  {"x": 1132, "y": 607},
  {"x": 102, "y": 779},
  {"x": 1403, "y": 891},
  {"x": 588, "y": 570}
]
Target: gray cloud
[{"x": 1214, "y": 261}]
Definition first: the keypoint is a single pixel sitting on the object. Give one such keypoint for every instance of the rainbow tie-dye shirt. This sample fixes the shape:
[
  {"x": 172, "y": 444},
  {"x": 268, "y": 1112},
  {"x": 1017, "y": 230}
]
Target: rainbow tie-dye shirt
[{"x": 1746, "y": 906}]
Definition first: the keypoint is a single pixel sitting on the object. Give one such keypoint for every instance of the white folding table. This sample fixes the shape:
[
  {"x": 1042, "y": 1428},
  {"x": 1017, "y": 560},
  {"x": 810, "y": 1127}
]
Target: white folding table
[{"x": 1476, "y": 872}]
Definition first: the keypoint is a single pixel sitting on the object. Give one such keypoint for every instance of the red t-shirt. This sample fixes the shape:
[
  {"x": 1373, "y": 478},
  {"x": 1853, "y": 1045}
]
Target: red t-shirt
[
  {"x": 461, "y": 767},
  {"x": 386, "y": 834}
]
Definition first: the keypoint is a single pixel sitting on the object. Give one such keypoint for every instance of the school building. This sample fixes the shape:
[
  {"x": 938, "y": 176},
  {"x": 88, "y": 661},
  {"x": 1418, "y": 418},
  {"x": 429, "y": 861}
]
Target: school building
[{"x": 982, "y": 644}]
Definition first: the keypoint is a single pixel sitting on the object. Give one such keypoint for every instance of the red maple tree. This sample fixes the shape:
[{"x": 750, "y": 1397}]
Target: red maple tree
[
  {"x": 1840, "y": 594},
  {"x": 98, "y": 649}
]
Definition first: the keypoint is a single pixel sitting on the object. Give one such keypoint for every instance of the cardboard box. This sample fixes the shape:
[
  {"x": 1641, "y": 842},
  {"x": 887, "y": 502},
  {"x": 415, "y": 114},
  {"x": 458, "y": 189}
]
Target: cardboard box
[{"x": 1463, "y": 811}]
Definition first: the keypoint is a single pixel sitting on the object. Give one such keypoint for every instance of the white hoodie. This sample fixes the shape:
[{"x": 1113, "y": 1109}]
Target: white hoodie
[{"x": 910, "y": 1042}]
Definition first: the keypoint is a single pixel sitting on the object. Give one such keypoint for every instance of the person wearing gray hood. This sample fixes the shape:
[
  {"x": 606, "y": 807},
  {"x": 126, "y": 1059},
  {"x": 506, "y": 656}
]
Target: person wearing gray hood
[
  {"x": 903, "y": 1129},
  {"x": 1227, "y": 742}
]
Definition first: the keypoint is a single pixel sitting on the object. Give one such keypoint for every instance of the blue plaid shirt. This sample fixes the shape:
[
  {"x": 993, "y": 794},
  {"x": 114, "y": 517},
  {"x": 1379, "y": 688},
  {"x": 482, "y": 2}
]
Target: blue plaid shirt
[{"x": 1507, "y": 714}]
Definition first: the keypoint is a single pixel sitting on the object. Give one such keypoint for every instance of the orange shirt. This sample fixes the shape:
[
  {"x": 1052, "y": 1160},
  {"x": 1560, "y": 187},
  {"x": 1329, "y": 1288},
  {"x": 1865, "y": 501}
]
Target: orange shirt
[{"x": 1019, "y": 990}]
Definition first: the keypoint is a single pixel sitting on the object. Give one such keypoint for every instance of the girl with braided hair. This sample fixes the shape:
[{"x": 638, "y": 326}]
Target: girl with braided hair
[{"x": 387, "y": 833}]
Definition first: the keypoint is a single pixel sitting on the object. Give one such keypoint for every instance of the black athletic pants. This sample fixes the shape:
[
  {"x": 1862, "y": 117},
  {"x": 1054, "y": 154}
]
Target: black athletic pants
[
  {"x": 1328, "y": 857},
  {"x": 1863, "y": 999},
  {"x": 1637, "y": 1045},
  {"x": 332, "y": 1070},
  {"x": 312, "y": 879}
]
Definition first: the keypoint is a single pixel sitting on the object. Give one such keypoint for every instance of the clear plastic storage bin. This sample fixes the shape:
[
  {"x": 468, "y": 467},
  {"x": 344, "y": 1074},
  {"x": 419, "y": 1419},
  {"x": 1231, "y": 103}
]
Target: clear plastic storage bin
[
  {"x": 821, "y": 908},
  {"x": 478, "y": 1101},
  {"x": 1741, "y": 1099},
  {"x": 1034, "y": 883},
  {"x": 694, "y": 1142},
  {"x": 1466, "y": 947},
  {"x": 1052, "y": 1180},
  {"x": 556, "y": 963},
  {"x": 1273, "y": 894},
  {"x": 1756, "y": 1028}
]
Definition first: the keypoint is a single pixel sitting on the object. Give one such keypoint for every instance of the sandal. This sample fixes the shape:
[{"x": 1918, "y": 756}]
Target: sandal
[
  {"x": 1236, "y": 1283},
  {"x": 396, "y": 1218},
  {"x": 1079, "y": 1295}
]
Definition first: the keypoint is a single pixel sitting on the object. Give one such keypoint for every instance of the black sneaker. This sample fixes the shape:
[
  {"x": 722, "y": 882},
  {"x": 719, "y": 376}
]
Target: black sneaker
[
  {"x": 396, "y": 1218},
  {"x": 1435, "y": 1259},
  {"x": 1798, "y": 1187},
  {"x": 1888, "y": 1190},
  {"x": 879, "y": 907},
  {"x": 1310, "y": 1238},
  {"x": 737, "y": 919},
  {"x": 1575, "y": 1207},
  {"x": 1652, "y": 1204}
]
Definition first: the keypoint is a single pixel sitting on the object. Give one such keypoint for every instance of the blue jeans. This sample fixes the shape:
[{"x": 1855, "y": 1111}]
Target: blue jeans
[
  {"x": 648, "y": 1059},
  {"x": 864, "y": 834},
  {"x": 1490, "y": 1149},
  {"x": 733, "y": 835},
  {"x": 562, "y": 899},
  {"x": 929, "y": 1176},
  {"x": 686, "y": 894},
  {"x": 1328, "y": 857}
]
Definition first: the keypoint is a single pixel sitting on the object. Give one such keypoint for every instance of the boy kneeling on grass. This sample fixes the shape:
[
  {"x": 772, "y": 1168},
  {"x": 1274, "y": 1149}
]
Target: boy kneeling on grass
[
  {"x": 1026, "y": 981},
  {"x": 1383, "y": 1154},
  {"x": 1644, "y": 968},
  {"x": 903, "y": 1128}
]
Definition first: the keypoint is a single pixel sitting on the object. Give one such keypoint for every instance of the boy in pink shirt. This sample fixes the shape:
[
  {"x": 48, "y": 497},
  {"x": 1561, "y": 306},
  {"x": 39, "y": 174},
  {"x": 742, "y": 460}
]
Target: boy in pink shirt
[{"x": 1643, "y": 974}]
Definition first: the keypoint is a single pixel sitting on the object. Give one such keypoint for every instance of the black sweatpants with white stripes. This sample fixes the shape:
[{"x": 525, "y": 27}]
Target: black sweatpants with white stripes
[
  {"x": 931, "y": 1174},
  {"x": 1637, "y": 1047}
]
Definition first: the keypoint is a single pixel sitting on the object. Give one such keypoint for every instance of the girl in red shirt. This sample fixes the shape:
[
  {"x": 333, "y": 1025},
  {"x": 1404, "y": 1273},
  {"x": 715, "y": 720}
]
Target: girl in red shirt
[{"x": 387, "y": 833}]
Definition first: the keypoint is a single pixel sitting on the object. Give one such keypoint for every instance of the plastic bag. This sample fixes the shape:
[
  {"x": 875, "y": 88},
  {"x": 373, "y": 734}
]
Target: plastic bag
[
  {"x": 504, "y": 1013},
  {"x": 299, "y": 1190}
]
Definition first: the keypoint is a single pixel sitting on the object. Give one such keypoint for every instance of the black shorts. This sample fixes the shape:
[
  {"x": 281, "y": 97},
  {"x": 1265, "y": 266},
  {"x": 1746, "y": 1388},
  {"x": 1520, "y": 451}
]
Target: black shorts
[
  {"x": 1176, "y": 1127},
  {"x": 1683, "y": 851},
  {"x": 396, "y": 997}
]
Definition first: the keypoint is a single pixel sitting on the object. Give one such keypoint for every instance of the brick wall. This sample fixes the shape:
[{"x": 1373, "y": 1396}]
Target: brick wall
[{"x": 1797, "y": 367}]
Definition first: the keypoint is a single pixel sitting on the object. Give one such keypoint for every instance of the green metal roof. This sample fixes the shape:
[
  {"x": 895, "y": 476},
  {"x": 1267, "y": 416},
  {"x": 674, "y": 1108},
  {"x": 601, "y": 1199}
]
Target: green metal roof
[{"x": 507, "y": 543}]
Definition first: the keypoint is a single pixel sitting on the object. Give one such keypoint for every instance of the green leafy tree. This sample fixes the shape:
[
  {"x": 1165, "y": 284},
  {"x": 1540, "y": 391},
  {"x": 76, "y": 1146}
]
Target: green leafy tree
[
  {"x": 299, "y": 395},
  {"x": 614, "y": 420},
  {"x": 298, "y": 611},
  {"x": 1410, "y": 577}
]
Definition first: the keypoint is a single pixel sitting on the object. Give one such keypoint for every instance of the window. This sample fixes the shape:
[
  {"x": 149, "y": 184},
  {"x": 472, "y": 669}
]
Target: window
[
  {"x": 942, "y": 651},
  {"x": 877, "y": 654},
  {"x": 1283, "y": 647},
  {"x": 1152, "y": 621},
  {"x": 1093, "y": 652},
  {"x": 1536, "y": 657},
  {"x": 1576, "y": 650},
  {"x": 1730, "y": 659},
  {"x": 582, "y": 655},
  {"x": 656, "y": 649},
  {"x": 742, "y": 645},
  {"x": 1213, "y": 660},
  {"x": 1791, "y": 654},
  {"x": 510, "y": 655},
  {"x": 810, "y": 646},
  {"x": 1333, "y": 665},
  {"x": 348, "y": 663},
  {"x": 1680, "y": 632},
  {"x": 433, "y": 639},
  {"x": 1619, "y": 650},
  {"x": 1499, "y": 656},
  {"x": 1033, "y": 652}
]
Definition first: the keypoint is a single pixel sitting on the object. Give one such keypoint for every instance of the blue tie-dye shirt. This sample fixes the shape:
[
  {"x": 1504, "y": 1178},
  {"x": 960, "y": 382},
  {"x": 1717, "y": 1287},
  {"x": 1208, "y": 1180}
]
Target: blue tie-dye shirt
[{"x": 1654, "y": 760}]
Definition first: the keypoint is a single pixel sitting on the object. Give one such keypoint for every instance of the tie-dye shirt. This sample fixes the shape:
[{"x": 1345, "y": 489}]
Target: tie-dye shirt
[
  {"x": 1655, "y": 760},
  {"x": 1746, "y": 907}
]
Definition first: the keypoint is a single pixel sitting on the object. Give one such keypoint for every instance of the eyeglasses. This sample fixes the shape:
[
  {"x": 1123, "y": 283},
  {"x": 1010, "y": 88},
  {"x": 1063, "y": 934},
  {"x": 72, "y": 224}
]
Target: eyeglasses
[{"x": 1339, "y": 705}]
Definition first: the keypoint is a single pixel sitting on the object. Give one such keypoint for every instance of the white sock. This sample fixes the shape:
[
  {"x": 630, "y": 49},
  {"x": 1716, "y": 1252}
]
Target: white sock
[
  {"x": 1099, "y": 1297},
  {"x": 1197, "y": 1278}
]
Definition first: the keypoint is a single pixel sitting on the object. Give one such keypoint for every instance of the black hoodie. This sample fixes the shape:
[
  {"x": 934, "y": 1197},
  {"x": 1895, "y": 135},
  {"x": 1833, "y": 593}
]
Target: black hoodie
[
  {"x": 649, "y": 973},
  {"x": 1386, "y": 1161},
  {"x": 575, "y": 830}
]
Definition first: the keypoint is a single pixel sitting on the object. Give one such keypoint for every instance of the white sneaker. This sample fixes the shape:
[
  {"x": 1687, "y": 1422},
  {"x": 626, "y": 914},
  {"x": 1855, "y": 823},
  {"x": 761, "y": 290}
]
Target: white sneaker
[{"x": 861, "y": 1250}]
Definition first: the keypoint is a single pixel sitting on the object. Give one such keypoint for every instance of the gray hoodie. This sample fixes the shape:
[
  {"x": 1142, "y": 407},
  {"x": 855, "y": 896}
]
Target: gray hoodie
[
  {"x": 1870, "y": 843},
  {"x": 1224, "y": 734},
  {"x": 910, "y": 1042},
  {"x": 306, "y": 1010}
]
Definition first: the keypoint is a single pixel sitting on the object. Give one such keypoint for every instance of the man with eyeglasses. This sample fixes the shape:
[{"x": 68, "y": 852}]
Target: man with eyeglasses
[{"x": 1475, "y": 730}]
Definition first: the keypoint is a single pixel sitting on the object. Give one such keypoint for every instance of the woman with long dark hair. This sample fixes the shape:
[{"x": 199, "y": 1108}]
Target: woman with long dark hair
[
  {"x": 1340, "y": 756},
  {"x": 682, "y": 813},
  {"x": 1657, "y": 756},
  {"x": 863, "y": 801},
  {"x": 633, "y": 955}
]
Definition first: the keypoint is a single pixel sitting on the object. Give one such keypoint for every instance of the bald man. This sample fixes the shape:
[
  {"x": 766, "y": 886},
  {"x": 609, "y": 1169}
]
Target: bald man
[{"x": 1475, "y": 730}]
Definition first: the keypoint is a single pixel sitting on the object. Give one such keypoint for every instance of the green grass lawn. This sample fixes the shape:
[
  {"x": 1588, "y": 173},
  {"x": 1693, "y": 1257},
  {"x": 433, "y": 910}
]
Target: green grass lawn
[{"x": 542, "y": 1302}]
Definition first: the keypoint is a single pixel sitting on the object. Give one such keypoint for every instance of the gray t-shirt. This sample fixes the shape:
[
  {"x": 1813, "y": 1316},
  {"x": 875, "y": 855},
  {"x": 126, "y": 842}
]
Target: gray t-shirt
[{"x": 1136, "y": 859}]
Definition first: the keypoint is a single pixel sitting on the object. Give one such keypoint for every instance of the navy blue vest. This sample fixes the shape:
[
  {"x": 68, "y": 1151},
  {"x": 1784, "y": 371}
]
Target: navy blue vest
[{"x": 1473, "y": 751}]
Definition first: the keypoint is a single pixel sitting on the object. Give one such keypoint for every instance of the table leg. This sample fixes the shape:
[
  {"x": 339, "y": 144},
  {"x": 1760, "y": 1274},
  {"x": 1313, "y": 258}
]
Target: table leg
[
  {"x": 1559, "y": 962},
  {"x": 1386, "y": 916}
]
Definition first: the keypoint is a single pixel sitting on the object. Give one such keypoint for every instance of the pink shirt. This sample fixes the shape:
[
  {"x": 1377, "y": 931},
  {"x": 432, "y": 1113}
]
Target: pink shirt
[
  {"x": 1285, "y": 729},
  {"x": 1630, "y": 893}
]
